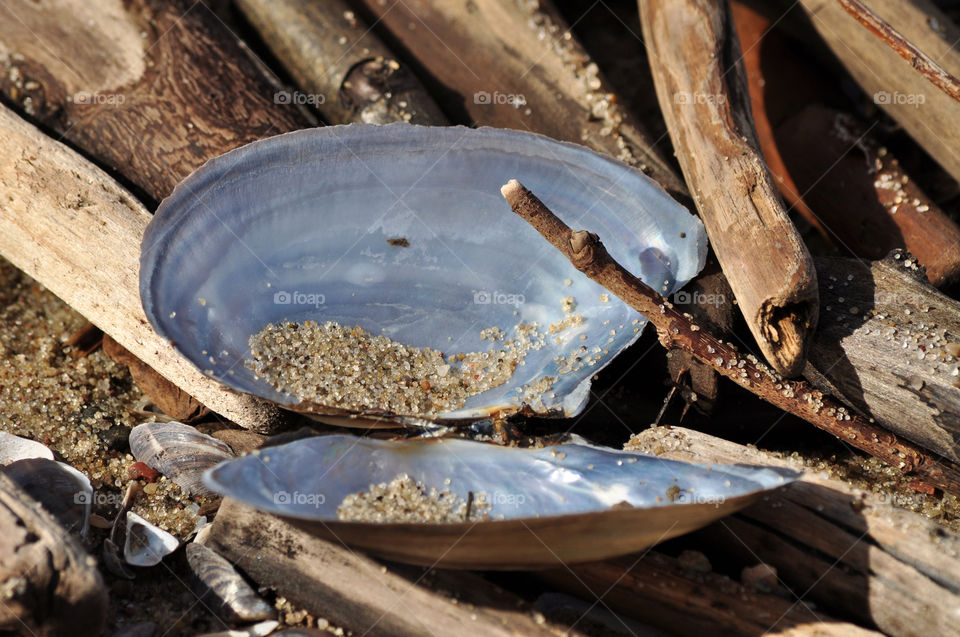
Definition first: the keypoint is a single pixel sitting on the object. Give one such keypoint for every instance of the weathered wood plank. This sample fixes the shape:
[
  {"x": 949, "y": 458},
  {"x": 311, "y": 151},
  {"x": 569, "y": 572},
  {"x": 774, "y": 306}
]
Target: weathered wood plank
[
  {"x": 71, "y": 227},
  {"x": 923, "y": 109},
  {"x": 516, "y": 64},
  {"x": 656, "y": 589},
  {"x": 847, "y": 550},
  {"x": 702, "y": 91},
  {"x": 358, "y": 593},
  {"x": 340, "y": 63},
  {"x": 148, "y": 88},
  {"x": 50, "y": 584},
  {"x": 889, "y": 345}
]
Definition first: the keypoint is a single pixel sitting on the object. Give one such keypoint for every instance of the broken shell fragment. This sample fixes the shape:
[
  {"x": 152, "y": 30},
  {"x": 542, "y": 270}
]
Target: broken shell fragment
[
  {"x": 146, "y": 544},
  {"x": 223, "y": 589},
  {"x": 296, "y": 228},
  {"x": 568, "y": 503},
  {"x": 13, "y": 448},
  {"x": 178, "y": 451}
]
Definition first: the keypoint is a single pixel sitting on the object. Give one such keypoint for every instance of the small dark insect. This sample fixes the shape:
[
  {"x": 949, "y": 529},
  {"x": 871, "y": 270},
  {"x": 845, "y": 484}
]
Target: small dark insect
[{"x": 399, "y": 242}]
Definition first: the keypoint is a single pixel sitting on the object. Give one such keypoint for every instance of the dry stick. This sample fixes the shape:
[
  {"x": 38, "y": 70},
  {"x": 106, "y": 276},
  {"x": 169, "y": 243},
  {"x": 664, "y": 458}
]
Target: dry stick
[
  {"x": 347, "y": 71},
  {"x": 674, "y": 329},
  {"x": 929, "y": 69},
  {"x": 694, "y": 57}
]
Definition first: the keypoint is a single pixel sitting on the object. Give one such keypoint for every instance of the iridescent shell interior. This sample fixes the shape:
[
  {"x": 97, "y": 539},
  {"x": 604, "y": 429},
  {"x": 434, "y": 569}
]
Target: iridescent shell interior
[
  {"x": 297, "y": 227},
  {"x": 568, "y": 479}
]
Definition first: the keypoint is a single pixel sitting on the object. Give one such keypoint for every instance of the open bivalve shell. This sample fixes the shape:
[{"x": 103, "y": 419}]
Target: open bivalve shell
[
  {"x": 146, "y": 544},
  {"x": 513, "y": 507},
  {"x": 402, "y": 231}
]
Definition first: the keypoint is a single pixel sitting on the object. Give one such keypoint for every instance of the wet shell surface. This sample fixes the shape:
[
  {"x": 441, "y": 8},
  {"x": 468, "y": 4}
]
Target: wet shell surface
[
  {"x": 402, "y": 231},
  {"x": 566, "y": 503},
  {"x": 179, "y": 452},
  {"x": 146, "y": 544}
]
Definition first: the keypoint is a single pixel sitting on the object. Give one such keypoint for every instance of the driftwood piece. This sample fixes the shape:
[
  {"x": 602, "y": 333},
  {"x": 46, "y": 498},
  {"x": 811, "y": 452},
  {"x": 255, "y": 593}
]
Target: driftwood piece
[
  {"x": 156, "y": 89},
  {"x": 658, "y": 590},
  {"x": 148, "y": 88},
  {"x": 829, "y": 166},
  {"x": 674, "y": 329},
  {"x": 849, "y": 551},
  {"x": 919, "y": 60},
  {"x": 50, "y": 585},
  {"x": 889, "y": 344},
  {"x": 705, "y": 102},
  {"x": 923, "y": 109},
  {"x": 516, "y": 64},
  {"x": 753, "y": 31},
  {"x": 342, "y": 65},
  {"x": 169, "y": 398},
  {"x": 84, "y": 341},
  {"x": 75, "y": 230},
  {"x": 864, "y": 196},
  {"x": 358, "y": 593}
]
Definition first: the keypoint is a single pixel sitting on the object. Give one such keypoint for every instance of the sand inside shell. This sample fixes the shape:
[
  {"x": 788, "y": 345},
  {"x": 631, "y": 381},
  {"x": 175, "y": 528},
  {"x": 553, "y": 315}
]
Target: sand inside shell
[
  {"x": 350, "y": 368},
  {"x": 405, "y": 500}
]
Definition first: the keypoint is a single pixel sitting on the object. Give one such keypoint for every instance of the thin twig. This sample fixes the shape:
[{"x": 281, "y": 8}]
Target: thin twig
[
  {"x": 919, "y": 60},
  {"x": 678, "y": 330}
]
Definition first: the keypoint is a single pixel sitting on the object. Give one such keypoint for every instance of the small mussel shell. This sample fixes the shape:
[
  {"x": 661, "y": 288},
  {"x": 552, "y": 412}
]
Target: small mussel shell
[
  {"x": 567, "y": 503},
  {"x": 146, "y": 544},
  {"x": 62, "y": 490},
  {"x": 223, "y": 589},
  {"x": 179, "y": 452},
  {"x": 402, "y": 230}
]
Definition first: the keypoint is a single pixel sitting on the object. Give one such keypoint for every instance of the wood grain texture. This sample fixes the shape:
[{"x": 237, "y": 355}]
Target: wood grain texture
[
  {"x": 702, "y": 91},
  {"x": 358, "y": 593},
  {"x": 516, "y": 64},
  {"x": 340, "y": 63},
  {"x": 851, "y": 552},
  {"x": 148, "y": 88},
  {"x": 71, "y": 227},
  {"x": 51, "y": 585},
  {"x": 888, "y": 345},
  {"x": 894, "y": 84},
  {"x": 656, "y": 589}
]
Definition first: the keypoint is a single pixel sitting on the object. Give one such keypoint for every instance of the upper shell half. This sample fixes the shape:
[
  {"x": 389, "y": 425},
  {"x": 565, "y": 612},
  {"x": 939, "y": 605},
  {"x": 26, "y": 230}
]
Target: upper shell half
[{"x": 296, "y": 228}]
